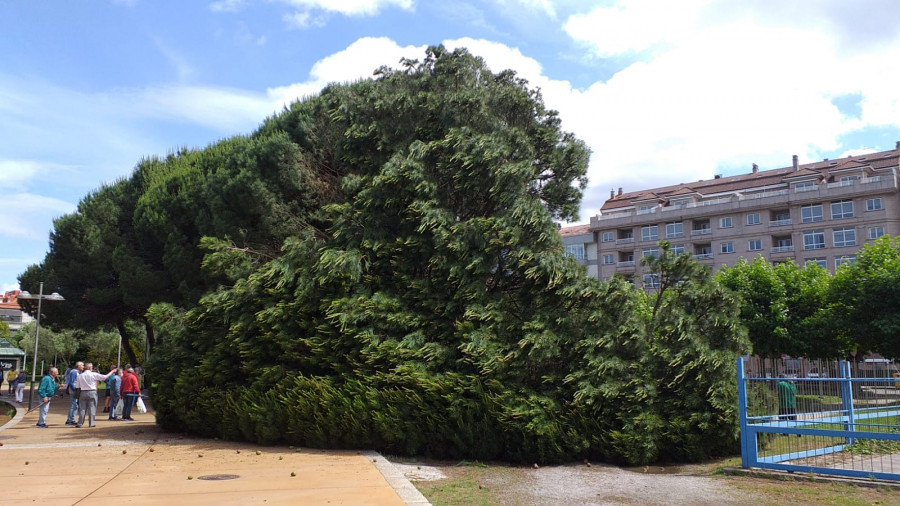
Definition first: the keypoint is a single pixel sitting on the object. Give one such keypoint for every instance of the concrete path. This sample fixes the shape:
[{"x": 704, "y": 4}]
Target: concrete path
[{"x": 137, "y": 463}]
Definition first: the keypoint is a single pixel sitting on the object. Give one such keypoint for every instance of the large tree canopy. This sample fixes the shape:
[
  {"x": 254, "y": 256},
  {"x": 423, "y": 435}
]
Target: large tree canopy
[
  {"x": 433, "y": 311},
  {"x": 378, "y": 266}
]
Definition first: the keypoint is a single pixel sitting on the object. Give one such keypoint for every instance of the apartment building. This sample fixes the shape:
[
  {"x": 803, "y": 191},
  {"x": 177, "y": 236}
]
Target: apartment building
[
  {"x": 11, "y": 313},
  {"x": 821, "y": 212},
  {"x": 580, "y": 245}
]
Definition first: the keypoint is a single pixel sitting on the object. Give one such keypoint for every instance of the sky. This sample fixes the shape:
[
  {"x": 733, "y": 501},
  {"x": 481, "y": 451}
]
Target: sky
[{"x": 662, "y": 92}]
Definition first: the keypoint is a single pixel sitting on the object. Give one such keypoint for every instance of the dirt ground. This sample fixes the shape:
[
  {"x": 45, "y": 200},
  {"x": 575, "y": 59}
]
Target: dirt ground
[{"x": 468, "y": 483}]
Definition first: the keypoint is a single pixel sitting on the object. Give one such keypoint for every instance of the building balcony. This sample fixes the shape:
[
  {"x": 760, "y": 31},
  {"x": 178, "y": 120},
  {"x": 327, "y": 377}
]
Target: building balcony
[
  {"x": 627, "y": 263},
  {"x": 782, "y": 249},
  {"x": 703, "y": 256},
  {"x": 701, "y": 231},
  {"x": 625, "y": 240},
  {"x": 780, "y": 223}
]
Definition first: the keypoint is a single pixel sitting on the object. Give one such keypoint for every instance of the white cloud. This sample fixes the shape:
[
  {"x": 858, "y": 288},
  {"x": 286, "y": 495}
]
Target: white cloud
[
  {"x": 30, "y": 216},
  {"x": 349, "y": 7},
  {"x": 358, "y": 61},
  {"x": 226, "y": 5},
  {"x": 718, "y": 87},
  {"x": 298, "y": 20},
  {"x": 225, "y": 110},
  {"x": 635, "y": 25},
  {"x": 17, "y": 174},
  {"x": 542, "y": 5},
  {"x": 179, "y": 62},
  {"x": 8, "y": 287}
]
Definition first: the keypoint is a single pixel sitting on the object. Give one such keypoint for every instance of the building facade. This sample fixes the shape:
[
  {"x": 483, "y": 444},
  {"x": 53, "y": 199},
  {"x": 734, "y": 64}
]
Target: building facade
[
  {"x": 821, "y": 212},
  {"x": 580, "y": 245},
  {"x": 11, "y": 313}
]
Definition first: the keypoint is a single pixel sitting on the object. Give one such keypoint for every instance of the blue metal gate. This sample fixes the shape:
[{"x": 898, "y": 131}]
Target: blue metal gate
[{"x": 845, "y": 420}]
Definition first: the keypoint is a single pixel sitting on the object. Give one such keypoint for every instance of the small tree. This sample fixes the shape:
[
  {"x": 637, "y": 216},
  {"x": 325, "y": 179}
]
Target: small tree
[{"x": 865, "y": 298}]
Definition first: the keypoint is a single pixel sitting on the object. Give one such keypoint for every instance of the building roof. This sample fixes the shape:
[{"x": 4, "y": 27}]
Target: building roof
[
  {"x": 758, "y": 181},
  {"x": 575, "y": 230},
  {"x": 8, "y": 350},
  {"x": 9, "y": 300}
]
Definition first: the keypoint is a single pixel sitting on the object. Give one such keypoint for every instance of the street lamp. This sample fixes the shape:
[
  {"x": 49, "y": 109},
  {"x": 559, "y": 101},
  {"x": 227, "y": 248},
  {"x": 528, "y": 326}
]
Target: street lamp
[{"x": 37, "y": 331}]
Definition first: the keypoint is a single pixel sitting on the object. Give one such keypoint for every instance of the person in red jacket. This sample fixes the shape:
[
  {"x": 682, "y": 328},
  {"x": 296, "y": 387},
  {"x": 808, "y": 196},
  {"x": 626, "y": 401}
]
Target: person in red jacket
[{"x": 130, "y": 391}]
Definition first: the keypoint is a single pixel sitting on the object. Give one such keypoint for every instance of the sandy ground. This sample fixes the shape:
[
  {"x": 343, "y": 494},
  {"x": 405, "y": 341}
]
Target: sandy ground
[{"x": 596, "y": 485}]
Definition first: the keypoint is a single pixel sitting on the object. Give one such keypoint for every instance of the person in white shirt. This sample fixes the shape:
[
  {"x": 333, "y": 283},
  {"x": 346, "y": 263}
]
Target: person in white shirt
[{"x": 87, "y": 400}]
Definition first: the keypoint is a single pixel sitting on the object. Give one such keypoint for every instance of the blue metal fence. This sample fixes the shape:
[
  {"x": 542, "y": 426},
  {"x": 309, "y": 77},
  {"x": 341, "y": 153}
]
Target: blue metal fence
[{"x": 846, "y": 419}]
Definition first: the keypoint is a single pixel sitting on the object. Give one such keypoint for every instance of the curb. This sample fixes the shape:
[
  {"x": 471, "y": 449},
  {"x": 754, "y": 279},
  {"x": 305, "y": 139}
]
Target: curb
[
  {"x": 396, "y": 479},
  {"x": 807, "y": 477},
  {"x": 20, "y": 414}
]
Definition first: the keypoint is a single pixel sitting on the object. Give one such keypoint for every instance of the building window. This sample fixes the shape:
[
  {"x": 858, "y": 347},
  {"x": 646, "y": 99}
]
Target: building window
[
  {"x": 873, "y": 205},
  {"x": 753, "y": 219},
  {"x": 805, "y": 186},
  {"x": 609, "y": 259},
  {"x": 725, "y": 222},
  {"x": 843, "y": 259},
  {"x": 727, "y": 247},
  {"x": 650, "y": 252},
  {"x": 755, "y": 245},
  {"x": 575, "y": 250},
  {"x": 608, "y": 237},
  {"x": 780, "y": 218},
  {"x": 876, "y": 232},
  {"x": 811, "y": 213},
  {"x": 844, "y": 237},
  {"x": 814, "y": 239},
  {"x": 841, "y": 209},
  {"x": 674, "y": 230},
  {"x": 651, "y": 280},
  {"x": 820, "y": 261},
  {"x": 849, "y": 180},
  {"x": 678, "y": 250},
  {"x": 650, "y": 233}
]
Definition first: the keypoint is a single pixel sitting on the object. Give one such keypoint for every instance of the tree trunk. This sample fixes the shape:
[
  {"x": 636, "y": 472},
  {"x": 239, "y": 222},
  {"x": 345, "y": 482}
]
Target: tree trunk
[
  {"x": 151, "y": 343},
  {"x": 126, "y": 343}
]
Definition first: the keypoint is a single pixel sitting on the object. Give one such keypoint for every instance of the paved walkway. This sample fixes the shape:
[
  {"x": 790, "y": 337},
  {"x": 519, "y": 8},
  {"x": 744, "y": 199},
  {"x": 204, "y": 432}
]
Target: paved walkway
[{"x": 137, "y": 463}]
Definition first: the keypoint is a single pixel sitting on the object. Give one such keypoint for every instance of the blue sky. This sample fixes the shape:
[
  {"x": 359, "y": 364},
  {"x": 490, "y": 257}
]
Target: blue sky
[{"x": 663, "y": 92}]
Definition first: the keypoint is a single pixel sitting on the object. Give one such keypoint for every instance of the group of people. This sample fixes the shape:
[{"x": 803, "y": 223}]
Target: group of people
[
  {"x": 81, "y": 384},
  {"x": 17, "y": 381}
]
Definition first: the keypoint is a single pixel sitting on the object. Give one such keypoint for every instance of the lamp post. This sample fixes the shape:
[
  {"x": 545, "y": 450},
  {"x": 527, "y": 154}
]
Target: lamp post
[{"x": 37, "y": 331}]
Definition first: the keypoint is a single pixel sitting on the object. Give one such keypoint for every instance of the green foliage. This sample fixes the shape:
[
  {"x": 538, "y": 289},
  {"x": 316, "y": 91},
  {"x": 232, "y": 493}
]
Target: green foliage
[
  {"x": 785, "y": 308},
  {"x": 4, "y": 330},
  {"x": 378, "y": 266},
  {"x": 865, "y": 295}
]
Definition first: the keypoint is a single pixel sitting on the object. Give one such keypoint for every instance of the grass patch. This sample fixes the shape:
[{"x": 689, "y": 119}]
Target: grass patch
[{"x": 477, "y": 485}]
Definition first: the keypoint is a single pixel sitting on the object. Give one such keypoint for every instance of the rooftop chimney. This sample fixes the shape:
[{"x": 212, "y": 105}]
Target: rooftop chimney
[
  {"x": 898, "y": 144},
  {"x": 620, "y": 190},
  {"x": 796, "y": 164},
  {"x": 755, "y": 168},
  {"x": 612, "y": 193},
  {"x": 718, "y": 176}
]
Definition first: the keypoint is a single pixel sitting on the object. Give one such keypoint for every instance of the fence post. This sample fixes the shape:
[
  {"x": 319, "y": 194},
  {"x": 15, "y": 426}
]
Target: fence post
[
  {"x": 742, "y": 413},
  {"x": 847, "y": 397}
]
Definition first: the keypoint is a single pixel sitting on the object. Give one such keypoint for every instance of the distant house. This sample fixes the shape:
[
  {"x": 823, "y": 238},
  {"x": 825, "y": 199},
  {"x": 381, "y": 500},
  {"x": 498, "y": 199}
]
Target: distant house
[
  {"x": 581, "y": 245},
  {"x": 11, "y": 313}
]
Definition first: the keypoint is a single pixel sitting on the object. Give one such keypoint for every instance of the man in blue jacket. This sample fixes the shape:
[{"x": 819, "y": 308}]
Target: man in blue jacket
[
  {"x": 113, "y": 386},
  {"x": 71, "y": 376},
  {"x": 46, "y": 391}
]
